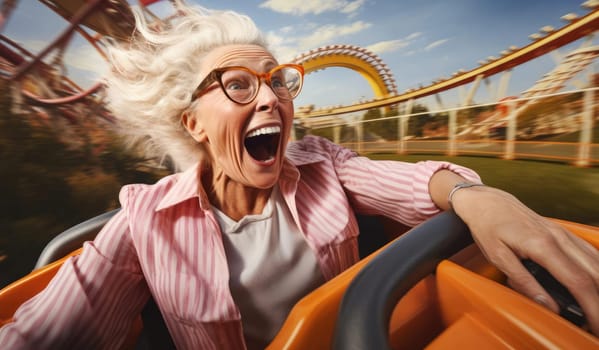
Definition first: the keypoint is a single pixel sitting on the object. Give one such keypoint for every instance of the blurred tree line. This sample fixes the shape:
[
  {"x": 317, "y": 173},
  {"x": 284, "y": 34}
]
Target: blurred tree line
[
  {"x": 387, "y": 127},
  {"x": 423, "y": 119},
  {"x": 48, "y": 185},
  {"x": 381, "y": 123}
]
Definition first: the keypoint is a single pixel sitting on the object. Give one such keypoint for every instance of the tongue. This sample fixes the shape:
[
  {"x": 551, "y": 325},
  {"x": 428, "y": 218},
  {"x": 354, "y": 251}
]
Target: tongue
[{"x": 262, "y": 147}]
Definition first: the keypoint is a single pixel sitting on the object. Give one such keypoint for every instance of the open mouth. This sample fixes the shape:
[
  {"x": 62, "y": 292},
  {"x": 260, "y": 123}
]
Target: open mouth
[{"x": 262, "y": 143}]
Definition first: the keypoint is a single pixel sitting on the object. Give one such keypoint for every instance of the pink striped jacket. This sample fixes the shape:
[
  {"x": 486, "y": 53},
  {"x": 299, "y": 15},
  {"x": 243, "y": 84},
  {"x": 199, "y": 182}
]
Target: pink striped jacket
[{"x": 167, "y": 242}]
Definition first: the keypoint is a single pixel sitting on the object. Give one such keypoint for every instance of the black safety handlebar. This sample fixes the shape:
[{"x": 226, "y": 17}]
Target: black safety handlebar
[{"x": 367, "y": 304}]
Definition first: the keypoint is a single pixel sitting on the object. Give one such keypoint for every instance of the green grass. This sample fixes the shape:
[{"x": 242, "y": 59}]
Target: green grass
[{"x": 551, "y": 189}]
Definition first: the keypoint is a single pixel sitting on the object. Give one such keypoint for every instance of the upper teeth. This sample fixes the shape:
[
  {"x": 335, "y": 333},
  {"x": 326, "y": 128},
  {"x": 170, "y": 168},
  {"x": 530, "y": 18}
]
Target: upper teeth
[{"x": 265, "y": 131}]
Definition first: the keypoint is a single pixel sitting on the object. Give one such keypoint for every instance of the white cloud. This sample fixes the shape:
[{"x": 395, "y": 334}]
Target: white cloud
[
  {"x": 302, "y": 7},
  {"x": 387, "y": 46},
  {"x": 32, "y": 45},
  {"x": 352, "y": 7},
  {"x": 286, "y": 30},
  {"x": 283, "y": 47},
  {"x": 83, "y": 62},
  {"x": 86, "y": 58},
  {"x": 328, "y": 33},
  {"x": 413, "y": 36},
  {"x": 393, "y": 45},
  {"x": 435, "y": 44},
  {"x": 286, "y": 47}
]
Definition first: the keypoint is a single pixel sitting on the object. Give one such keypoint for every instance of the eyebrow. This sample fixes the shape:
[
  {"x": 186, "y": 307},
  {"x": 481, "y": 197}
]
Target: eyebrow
[{"x": 266, "y": 64}]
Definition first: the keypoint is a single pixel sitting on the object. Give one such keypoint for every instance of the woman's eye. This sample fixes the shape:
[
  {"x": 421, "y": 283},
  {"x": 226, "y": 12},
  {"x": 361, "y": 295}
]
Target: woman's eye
[
  {"x": 237, "y": 85},
  {"x": 277, "y": 82}
]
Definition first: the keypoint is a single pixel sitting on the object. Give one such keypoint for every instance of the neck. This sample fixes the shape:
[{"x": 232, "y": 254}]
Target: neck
[{"x": 246, "y": 200}]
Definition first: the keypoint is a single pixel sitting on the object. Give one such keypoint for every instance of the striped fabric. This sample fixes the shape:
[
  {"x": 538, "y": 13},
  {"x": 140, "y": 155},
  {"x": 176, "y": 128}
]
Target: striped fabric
[{"x": 166, "y": 241}]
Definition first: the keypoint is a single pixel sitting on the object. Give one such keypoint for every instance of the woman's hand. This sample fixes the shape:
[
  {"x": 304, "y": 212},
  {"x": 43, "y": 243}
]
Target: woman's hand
[{"x": 507, "y": 231}]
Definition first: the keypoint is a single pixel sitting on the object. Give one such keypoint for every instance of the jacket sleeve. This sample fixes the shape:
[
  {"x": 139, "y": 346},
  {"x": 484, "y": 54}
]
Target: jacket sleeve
[
  {"x": 92, "y": 301},
  {"x": 384, "y": 187}
]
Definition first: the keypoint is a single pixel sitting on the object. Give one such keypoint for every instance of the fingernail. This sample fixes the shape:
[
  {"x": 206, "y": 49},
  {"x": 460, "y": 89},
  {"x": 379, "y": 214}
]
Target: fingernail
[{"x": 540, "y": 299}]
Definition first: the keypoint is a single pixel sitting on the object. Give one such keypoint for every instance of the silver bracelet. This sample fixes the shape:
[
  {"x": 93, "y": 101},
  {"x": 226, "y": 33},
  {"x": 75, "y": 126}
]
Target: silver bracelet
[{"x": 459, "y": 186}]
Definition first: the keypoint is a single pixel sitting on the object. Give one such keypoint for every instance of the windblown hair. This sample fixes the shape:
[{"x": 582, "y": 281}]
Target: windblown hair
[{"x": 153, "y": 75}]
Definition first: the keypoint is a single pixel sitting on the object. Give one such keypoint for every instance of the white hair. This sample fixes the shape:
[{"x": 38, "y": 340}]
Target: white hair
[{"x": 153, "y": 76}]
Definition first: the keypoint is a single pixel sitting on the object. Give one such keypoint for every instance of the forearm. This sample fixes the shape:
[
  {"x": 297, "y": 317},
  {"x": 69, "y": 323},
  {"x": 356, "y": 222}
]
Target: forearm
[
  {"x": 440, "y": 186},
  {"x": 468, "y": 202}
]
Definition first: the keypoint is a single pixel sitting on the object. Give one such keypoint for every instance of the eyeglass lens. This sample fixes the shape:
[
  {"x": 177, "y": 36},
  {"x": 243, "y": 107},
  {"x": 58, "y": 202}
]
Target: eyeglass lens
[{"x": 242, "y": 86}]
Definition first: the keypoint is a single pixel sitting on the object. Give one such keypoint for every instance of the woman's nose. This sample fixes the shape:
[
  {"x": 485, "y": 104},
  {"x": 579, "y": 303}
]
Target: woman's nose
[{"x": 266, "y": 99}]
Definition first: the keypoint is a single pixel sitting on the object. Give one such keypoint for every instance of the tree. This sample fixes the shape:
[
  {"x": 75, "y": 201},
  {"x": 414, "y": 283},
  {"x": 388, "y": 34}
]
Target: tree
[
  {"x": 49, "y": 185},
  {"x": 385, "y": 128},
  {"x": 416, "y": 122}
]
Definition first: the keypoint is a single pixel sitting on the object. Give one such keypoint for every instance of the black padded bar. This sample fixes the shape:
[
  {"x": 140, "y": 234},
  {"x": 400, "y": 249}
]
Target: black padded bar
[{"x": 366, "y": 307}]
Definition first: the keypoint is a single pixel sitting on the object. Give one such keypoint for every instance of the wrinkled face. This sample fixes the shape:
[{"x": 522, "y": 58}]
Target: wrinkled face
[{"x": 246, "y": 141}]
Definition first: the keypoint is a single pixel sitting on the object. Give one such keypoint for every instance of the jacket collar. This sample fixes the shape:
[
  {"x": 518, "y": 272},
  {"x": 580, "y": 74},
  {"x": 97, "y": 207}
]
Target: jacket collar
[{"x": 187, "y": 184}]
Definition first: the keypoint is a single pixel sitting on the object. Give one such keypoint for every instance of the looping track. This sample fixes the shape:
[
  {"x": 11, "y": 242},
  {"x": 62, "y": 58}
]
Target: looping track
[
  {"x": 365, "y": 62},
  {"x": 326, "y": 57}
]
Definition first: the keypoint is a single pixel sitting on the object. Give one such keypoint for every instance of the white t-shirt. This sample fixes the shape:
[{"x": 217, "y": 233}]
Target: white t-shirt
[{"x": 271, "y": 267}]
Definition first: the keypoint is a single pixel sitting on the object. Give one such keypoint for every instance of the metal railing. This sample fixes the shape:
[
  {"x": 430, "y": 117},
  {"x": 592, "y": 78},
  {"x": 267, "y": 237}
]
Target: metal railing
[{"x": 557, "y": 127}]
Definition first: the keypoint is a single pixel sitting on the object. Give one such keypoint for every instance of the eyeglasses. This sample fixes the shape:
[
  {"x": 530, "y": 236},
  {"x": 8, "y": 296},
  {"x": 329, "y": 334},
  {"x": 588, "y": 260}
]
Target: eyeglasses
[{"x": 241, "y": 84}]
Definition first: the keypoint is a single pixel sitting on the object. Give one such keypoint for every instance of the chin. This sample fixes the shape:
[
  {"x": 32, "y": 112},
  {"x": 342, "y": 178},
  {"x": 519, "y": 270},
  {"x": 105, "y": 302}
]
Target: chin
[{"x": 265, "y": 184}]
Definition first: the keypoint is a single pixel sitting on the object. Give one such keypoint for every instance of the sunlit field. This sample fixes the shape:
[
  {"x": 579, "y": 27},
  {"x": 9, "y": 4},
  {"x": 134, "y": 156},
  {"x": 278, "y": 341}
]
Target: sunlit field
[{"x": 552, "y": 189}]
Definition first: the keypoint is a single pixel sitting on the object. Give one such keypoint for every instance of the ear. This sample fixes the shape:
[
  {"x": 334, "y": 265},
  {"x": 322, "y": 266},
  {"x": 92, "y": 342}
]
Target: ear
[{"x": 193, "y": 127}]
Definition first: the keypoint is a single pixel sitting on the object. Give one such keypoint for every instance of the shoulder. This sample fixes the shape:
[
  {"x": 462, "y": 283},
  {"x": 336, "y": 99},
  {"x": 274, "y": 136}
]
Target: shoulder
[
  {"x": 132, "y": 195},
  {"x": 312, "y": 143},
  {"x": 316, "y": 148}
]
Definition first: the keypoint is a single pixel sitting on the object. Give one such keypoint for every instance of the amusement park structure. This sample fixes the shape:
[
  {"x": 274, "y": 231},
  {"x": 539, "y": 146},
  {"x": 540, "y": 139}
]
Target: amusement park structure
[
  {"x": 507, "y": 108},
  {"x": 576, "y": 28},
  {"x": 465, "y": 302},
  {"x": 368, "y": 64},
  {"x": 41, "y": 82},
  {"x": 42, "y": 77}
]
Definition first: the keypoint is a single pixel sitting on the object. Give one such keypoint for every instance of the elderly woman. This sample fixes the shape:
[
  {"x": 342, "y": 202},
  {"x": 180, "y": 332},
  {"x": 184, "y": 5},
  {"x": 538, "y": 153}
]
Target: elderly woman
[{"x": 252, "y": 222}]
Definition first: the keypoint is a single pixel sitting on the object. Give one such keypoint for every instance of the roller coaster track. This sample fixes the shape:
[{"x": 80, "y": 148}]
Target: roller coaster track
[
  {"x": 106, "y": 18},
  {"x": 573, "y": 31},
  {"x": 365, "y": 62},
  {"x": 573, "y": 64}
]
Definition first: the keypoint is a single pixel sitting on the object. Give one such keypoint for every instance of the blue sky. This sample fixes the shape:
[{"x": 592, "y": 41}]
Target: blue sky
[{"x": 419, "y": 40}]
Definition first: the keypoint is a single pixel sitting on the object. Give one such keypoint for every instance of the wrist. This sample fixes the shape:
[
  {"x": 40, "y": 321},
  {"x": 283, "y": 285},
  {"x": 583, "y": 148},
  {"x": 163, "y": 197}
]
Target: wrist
[{"x": 459, "y": 186}]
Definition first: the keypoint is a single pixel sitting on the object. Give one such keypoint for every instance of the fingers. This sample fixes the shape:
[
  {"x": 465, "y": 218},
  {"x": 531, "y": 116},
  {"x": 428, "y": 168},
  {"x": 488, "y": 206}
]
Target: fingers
[
  {"x": 591, "y": 264},
  {"x": 522, "y": 281},
  {"x": 583, "y": 252},
  {"x": 575, "y": 263},
  {"x": 571, "y": 260},
  {"x": 508, "y": 231}
]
